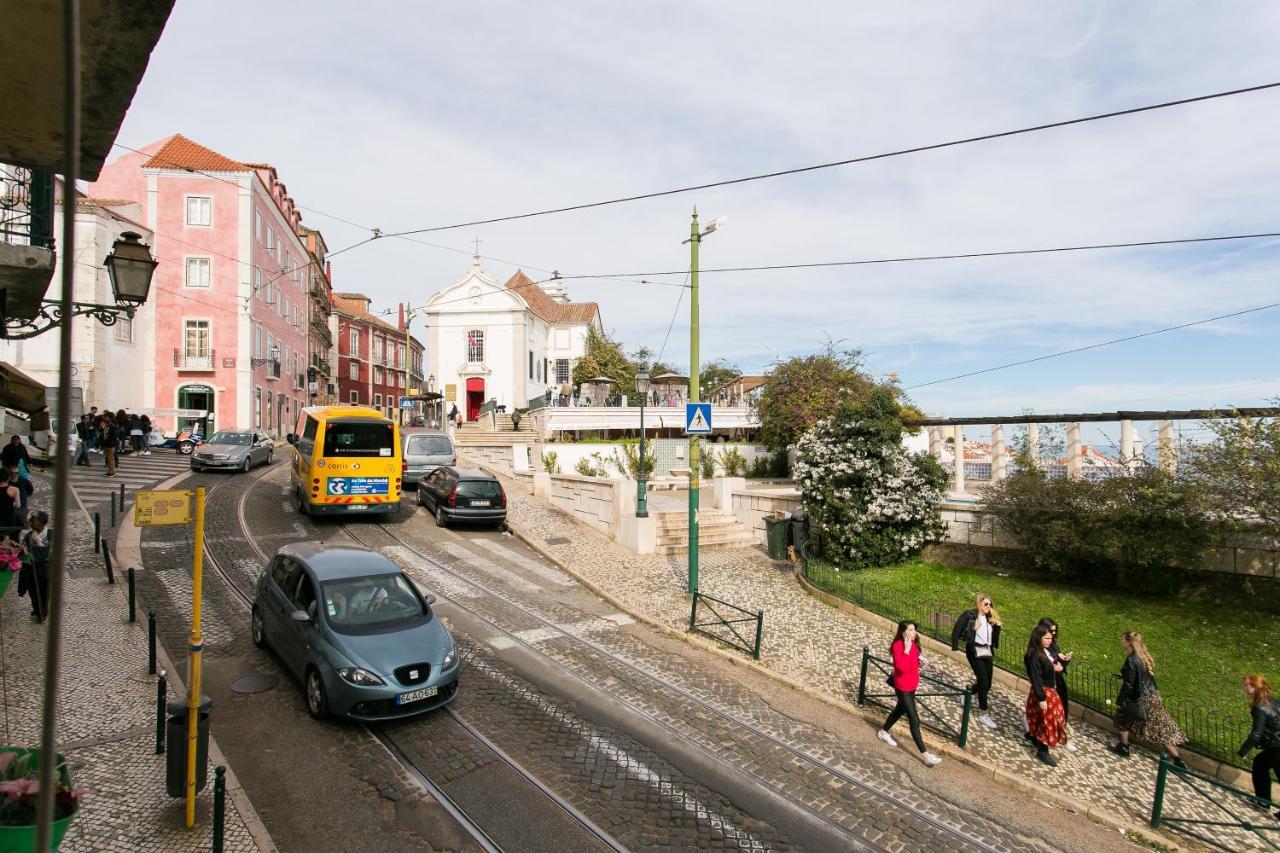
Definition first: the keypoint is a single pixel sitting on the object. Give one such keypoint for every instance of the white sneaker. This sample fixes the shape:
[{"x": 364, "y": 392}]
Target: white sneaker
[
  {"x": 987, "y": 720},
  {"x": 1071, "y": 747},
  {"x": 886, "y": 737},
  {"x": 930, "y": 760}
]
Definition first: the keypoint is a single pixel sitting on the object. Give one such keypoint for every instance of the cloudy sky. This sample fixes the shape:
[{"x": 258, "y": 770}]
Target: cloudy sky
[{"x": 403, "y": 116}]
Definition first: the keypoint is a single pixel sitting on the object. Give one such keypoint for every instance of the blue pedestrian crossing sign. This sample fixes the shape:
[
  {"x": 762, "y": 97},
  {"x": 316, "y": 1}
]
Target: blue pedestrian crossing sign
[
  {"x": 697, "y": 418},
  {"x": 406, "y": 402}
]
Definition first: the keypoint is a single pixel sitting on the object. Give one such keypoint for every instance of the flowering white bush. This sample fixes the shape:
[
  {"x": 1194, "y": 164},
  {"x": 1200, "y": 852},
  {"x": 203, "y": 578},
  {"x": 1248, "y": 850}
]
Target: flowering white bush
[{"x": 874, "y": 502}]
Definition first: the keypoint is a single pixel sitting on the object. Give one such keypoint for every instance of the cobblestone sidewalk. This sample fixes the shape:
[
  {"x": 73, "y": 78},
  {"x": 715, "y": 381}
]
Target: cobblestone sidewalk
[
  {"x": 106, "y": 711},
  {"x": 818, "y": 647}
]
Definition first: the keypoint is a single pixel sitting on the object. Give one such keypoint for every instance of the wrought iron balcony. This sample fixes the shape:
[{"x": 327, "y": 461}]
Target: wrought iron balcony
[
  {"x": 194, "y": 359},
  {"x": 26, "y": 239}
]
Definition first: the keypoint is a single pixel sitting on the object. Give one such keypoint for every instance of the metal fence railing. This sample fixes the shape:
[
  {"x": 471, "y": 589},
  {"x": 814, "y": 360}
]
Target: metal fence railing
[
  {"x": 720, "y": 621},
  {"x": 1210, "y": 731},
  {"x": 933, "y": 715},
  {"x": 1230, "y": 811},
  {"x": 26, "y": 206}
]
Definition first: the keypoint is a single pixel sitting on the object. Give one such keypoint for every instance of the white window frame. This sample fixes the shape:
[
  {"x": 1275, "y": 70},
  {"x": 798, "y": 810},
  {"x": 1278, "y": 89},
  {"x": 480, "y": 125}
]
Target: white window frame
[
  {"x": 257, "y": 224},
  {"x": 377, "y": 401},
  {"x": 186, "y": 272},
  {"x": 475, "y": 346},
  {"x": 257, "y": 342},
  {"x": 124, "y": 330},
  {"x": 353, "y": 372},
  {"x": 257, "y": 407},
  {"x": 568, "y": 371},
  {"x": 186, "y": 207},
  {"x": 187, "y": 326},
  {"x": 354, "y": 343}
]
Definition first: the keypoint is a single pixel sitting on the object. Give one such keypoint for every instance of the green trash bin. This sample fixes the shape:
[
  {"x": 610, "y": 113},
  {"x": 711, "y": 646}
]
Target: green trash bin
[{"x": 778, "y": 534}]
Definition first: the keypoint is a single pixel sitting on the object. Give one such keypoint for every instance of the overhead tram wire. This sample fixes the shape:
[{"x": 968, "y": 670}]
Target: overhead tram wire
[
  {"x": 1088, "y": 347},
  {"x": 1003, "y": 253},
  {"x": 867, "y": 158}
]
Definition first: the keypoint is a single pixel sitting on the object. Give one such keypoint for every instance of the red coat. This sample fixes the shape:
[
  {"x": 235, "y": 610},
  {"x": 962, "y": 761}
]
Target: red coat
[{"x": 906, "y": 666}]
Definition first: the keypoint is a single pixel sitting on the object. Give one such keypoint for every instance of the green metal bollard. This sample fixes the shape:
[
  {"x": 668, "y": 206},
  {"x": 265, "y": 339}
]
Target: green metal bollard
[
  {"x": 106, "y": 563},
  {"x": 219, "y": 805},
  {"x": 122, "y": 498},
  {"x": 759, "y": 630},
  {"x": 963, "y": 740},
  {"x": 862, "y": 676},
  {"x": 1162, "y": 778}
]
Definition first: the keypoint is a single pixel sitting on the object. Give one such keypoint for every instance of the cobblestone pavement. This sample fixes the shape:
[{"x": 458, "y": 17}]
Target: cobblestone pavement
[
  {"x": 817, "y": 646},
  {"x": 106, "y": 709}
]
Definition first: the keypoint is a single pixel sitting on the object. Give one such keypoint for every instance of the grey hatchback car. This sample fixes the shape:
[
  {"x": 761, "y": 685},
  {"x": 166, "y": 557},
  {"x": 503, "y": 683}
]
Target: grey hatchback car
[
  {"x": 355, "y": 631},
  {"x": 463, "y": 494},
  {"x": 424, "y": 452}
]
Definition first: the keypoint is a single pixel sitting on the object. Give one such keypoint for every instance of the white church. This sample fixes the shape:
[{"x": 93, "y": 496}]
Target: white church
[{"x": 506, "y": 342}]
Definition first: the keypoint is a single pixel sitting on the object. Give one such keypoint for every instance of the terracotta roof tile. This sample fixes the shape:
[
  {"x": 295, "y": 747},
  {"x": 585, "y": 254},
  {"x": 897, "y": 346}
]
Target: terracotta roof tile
[
  {"x": 357, "y": 305},
  {"x": 181, "y": 153},
  {"x": 546, "y": 307}
]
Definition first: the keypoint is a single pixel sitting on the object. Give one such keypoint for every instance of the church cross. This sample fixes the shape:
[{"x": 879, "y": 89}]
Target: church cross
[{"x": 476, "y": 240}]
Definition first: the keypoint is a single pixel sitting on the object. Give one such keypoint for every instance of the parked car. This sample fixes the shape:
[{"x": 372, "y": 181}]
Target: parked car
[
  {"x": 425, "y": 451},
  {"x": 463, "y": 494},
  {"x": 238, "y": 449},
  {"x": 355, "y": 631}
]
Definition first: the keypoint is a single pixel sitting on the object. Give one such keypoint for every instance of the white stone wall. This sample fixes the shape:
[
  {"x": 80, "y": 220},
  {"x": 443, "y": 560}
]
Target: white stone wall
[
  {"x": 751, "y": 506},
  {"x": 495, "y": 457},
  {"x": 588, "y": 499}
]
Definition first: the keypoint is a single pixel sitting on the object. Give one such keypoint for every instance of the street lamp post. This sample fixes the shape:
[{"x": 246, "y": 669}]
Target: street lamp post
[
  {"x": 408, "y": 356},
  {"x": 695, "y": 455},
  {"x": 642, "y": 499}
]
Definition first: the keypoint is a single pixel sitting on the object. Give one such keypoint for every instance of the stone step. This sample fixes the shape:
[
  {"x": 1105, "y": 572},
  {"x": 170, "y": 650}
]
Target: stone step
[
  {"x": 670, "y": 550},
  {"x": 707, "y": 537}
]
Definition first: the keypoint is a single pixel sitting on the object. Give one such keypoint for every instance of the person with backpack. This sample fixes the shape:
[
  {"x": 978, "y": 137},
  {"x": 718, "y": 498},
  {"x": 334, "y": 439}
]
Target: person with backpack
[
  {"x": 979, "y": 630},
  {"x": 905, "y": 651},
  {"x": 1264, "y": 735}
]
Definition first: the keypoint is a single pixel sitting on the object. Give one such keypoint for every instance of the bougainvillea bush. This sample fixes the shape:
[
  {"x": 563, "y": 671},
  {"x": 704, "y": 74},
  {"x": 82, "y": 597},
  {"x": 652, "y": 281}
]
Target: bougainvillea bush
[{"x": 874, "y": 502}]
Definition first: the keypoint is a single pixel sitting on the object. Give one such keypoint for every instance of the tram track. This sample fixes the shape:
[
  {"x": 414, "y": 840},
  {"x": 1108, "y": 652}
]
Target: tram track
[
  {"x": 451, "y": 805},
  {"x": 942, "y": 830}
]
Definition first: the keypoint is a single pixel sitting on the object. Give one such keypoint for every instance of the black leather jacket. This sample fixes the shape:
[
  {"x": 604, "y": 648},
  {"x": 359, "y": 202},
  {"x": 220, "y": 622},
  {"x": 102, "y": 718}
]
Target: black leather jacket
[
  {"x": 1265, "y": 733},
  {"x": 1137, "y": 681},
  {"x": 965, "y": 628}
]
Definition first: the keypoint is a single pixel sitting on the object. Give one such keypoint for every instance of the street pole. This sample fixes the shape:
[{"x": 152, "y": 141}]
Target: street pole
[
  {"x": 642, "y": 498},
  {"x": 694, "y": 455},
  {"x": 408, "y": 356},
  {"x": 196, "y": 647}
]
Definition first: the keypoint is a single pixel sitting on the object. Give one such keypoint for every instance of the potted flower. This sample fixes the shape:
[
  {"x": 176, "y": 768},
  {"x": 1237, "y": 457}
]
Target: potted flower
[
  {"x": 10, "y": 562},
  {"x": 19, "y": 790}
]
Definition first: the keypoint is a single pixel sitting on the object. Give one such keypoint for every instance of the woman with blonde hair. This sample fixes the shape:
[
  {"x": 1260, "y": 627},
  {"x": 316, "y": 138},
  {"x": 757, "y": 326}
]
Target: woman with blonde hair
[
  {"x": 1264, "y": 734},
  {"x": 979, "y": 630},
  {"x": 1140, "y": 711}
]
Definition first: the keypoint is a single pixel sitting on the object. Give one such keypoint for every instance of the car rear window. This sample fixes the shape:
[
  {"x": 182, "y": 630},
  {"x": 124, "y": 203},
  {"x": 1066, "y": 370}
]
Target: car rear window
[
  {"x": 429, "y": 445},
  {"x": 359, "y": 439},
  {"x": 478, "y": 489}
]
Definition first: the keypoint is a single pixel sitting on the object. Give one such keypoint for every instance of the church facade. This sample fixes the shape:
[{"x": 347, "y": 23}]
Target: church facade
[{"x": 508, "y": 342}]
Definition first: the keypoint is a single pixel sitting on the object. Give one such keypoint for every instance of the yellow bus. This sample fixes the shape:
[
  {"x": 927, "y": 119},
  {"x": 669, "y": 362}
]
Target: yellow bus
[{"x": 346, "y": 459}]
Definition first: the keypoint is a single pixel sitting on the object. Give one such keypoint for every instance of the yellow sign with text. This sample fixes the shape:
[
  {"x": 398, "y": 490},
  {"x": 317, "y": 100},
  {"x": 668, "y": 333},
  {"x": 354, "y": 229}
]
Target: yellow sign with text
[{"x": 162, "y": 507}]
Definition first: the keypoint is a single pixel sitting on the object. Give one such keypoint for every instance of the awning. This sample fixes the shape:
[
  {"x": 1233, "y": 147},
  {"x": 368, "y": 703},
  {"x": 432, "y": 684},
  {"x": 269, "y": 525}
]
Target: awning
[{"x": 20, "y": 392}]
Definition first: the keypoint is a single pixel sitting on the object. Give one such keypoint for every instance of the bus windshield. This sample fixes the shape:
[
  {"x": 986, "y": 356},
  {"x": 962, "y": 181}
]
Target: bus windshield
[{"x": 359, "y": 438}]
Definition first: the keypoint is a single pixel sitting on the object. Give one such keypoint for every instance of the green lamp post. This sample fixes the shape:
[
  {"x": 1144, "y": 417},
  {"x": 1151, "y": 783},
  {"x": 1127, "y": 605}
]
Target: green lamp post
[{"x": 642, "y": 499}]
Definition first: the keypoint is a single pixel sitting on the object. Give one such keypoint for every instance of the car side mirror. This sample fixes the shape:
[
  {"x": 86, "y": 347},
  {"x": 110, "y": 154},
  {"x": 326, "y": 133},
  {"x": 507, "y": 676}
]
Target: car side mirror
[
  {"x": 430, "y": 599},
  {"x": 292, "y": 438},
  {"x": 300, "y": 616}
]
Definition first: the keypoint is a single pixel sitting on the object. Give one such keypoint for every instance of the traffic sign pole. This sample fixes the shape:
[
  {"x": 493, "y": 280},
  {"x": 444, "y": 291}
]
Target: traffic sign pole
[
  {"x": 196, "y": 647},
  {"x": 694, "y": 440}
]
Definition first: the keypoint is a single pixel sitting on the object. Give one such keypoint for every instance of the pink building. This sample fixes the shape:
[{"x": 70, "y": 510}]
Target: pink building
[{"x": 226, "y": 327}]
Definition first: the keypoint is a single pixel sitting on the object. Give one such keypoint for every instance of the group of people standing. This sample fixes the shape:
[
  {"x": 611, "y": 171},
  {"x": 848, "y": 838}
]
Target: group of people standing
[
  {"x": 112, "y": 434},
  {"x": 29, "y": 529},
  {"x": 1140, "y": 710}
]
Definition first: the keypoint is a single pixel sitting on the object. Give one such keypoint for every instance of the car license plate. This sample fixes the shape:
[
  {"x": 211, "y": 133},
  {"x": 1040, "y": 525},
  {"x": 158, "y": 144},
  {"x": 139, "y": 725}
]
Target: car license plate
[
  {"x": 480, "y": 503},
  {"x": 357, "y": 507},
  {"x": 416, "y": 695}
]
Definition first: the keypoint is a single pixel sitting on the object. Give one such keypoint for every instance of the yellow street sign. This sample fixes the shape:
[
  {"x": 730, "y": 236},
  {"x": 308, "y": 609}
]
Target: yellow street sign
[{"x": 162, "y": 507}]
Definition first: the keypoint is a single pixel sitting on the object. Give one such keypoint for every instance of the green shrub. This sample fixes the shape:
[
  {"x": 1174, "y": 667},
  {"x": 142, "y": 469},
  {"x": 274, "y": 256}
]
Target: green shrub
[
  {"x": 593, "y": 466},
  {"x": 708, "y": 462},
  {"x": 1137, "y": 532},
  {"x": 759, "y": 468},
  {"x": 732, "y": 462},
  {"x": 780, "y": 465},
  {"x": 627, "y": 462},
  {"x": 550, "y": 462}
]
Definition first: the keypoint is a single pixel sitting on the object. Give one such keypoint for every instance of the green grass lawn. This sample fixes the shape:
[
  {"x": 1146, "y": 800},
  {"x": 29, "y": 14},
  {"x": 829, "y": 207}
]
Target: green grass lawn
[{"x": 1202, "y": 649}]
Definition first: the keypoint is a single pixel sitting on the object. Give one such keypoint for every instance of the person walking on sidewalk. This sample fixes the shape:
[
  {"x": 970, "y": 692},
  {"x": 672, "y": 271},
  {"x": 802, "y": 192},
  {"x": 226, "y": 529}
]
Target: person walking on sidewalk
[
  {"x": 1140, "y": 711},
  {"x": 122, "y": 432},
  {"x": 1264, "y": 735},
  {"x": 110, "y": 438},
  {"x": 84, "y": 433},
  {"x": 135, "y": 434},
  {"x": 979, "y": 630},
  {"x": 145, "y": 422},
  {"x": 1045, "y": 718},
  {"x": 905, "y": 651},
  {"x": 1062, "y": 660},
  {"x": 33, "y": 579}
]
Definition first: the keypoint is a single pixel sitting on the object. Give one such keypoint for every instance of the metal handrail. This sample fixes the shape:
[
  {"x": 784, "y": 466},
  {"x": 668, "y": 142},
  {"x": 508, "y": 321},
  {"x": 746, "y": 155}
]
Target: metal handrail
[
  {"x": 738, "y": 641},
  {"x": 945, "y": 688},
  {"x": 1197, "y": 783}
]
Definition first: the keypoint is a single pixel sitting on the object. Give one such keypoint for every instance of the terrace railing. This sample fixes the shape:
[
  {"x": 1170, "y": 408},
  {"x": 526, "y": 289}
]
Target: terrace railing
[
  {"x": 936, "y": 715},
  {"x": 1231, "y": 815},
  {"x": 26, "y": 207}
]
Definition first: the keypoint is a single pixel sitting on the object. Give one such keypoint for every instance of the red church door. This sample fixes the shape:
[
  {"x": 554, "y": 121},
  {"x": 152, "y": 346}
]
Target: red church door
[{"x": 475, "y": 397}]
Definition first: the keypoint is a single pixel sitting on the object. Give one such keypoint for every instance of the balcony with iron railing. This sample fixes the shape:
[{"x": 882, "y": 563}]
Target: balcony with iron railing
[
  {"x": 26, "y": 238},
  {"x": 199, "y": 360},
  {"x": 320, "y": 365}
]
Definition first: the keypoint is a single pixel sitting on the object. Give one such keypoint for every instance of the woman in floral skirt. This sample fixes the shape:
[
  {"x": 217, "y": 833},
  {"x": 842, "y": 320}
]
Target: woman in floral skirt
[
  {"x": 1140, "y": 711},
  {"x": 1046, "y": 720}
]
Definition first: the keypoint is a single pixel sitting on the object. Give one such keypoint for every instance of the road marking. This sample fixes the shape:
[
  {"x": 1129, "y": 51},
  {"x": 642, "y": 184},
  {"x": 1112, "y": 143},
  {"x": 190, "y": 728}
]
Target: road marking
[
  {"x": 577, "y": 629},
  {"x": 474, "y": 560},
  {"x": 436, "y": 579},
  {"x": 544, "y": 572}
]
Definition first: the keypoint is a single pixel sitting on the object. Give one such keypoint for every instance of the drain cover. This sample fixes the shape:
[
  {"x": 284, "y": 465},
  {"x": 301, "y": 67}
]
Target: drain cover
[
  {"x": 557, "y": 540},
  {"x": 254, "y": 682}
]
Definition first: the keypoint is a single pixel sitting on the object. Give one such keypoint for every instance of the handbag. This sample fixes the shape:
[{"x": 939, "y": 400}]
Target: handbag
[{"x": 1135, "y": 710}]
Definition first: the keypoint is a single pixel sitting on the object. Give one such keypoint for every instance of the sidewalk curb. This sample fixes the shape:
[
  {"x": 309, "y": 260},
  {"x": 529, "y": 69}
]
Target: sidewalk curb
[
  {"x": 129, "y": 553},
  {"x": 1125, "y": 825}
]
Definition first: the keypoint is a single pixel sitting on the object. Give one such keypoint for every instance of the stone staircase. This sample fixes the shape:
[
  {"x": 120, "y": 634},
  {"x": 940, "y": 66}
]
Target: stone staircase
[
  {"x": 471, "y": 433},
  {"x": 717, "y": 528}
]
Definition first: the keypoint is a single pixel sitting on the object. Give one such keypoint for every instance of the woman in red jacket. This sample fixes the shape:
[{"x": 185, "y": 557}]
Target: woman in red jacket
[{"x": 905, "y": 651}]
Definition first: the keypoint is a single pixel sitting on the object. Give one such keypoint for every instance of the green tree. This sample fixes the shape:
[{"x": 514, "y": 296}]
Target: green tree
[
  {"x": 716, "y": 375},
  {"x": 800, "y": 391},
  {"x": 604, "y": 357},
  {"x": 1239, "y": 471}
]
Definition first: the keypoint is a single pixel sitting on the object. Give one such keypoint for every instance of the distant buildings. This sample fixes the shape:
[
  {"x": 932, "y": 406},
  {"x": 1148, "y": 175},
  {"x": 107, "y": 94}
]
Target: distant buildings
[{"x": 374, "y": 367}]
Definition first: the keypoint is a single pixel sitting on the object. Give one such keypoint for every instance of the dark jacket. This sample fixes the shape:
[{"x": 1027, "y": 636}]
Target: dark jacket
[
  {"x": 964, "y": 629},
  {"x": 1040, "y": 673},
  {"x": 1265, "y": 733},
  {"x": 1137, "y": 682},
  {"x": 11, "y": 453}
]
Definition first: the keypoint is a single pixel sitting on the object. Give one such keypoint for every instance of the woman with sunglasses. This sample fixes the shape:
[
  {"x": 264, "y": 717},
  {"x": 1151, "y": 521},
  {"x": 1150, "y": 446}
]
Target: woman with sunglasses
[{"x": 979, "y": 630}]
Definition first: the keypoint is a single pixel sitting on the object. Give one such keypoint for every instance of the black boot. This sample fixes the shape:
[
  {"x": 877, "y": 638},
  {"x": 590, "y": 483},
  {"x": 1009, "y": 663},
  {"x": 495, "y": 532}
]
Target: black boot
[
  {"x": 1046, "y": 758},
  {"x": 1120, "y": 749}
]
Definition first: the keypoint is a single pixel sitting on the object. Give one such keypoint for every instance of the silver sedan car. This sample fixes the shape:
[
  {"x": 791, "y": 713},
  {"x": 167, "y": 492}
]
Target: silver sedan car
[
  {"x": 236, "y": 450},
  {"x": 355, "y": 631}
]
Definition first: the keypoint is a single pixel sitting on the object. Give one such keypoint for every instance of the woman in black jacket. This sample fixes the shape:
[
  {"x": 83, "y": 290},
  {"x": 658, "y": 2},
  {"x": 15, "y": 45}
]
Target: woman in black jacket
[
  {"x": 1264, "y": 734},
  {"x": 1063, "y": 659},
  {"x": 1045, "y": 719},
  {"x": 979, "y": 630},
  {"x": 1140, "y": 710}
]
